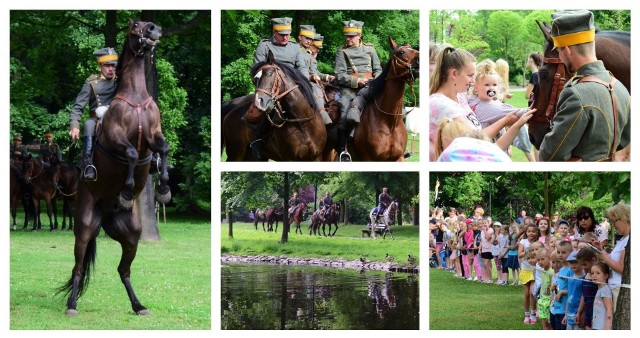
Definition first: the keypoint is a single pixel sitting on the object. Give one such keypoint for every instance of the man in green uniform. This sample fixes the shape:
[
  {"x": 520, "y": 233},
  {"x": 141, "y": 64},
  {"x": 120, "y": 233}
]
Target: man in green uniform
[
  {"x": 284, "y": 51},
  {"x": 356, "y": 64},
  {"x": 307, "y": 33},
  {"x": 18, "y": 151},
  {"x": 50, "y": 150},
  {"x": 98, "y": 91},
  {"x": 585, "y": 126}
]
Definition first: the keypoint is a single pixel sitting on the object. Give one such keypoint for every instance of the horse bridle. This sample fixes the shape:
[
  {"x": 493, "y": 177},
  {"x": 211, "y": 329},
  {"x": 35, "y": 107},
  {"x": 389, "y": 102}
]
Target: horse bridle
[
  {"x": 280, "y": 84},
  {"x": 407, "y": 69},
  {"x": 559, "y": 79},
  {"x": 142, "y": 40}
]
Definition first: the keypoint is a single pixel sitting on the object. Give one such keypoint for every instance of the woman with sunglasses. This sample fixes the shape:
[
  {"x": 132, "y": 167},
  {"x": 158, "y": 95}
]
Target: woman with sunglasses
[{"x": 587, "y": 223}]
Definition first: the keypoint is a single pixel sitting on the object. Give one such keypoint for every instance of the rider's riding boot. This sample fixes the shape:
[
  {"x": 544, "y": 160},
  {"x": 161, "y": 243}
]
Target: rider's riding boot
[
  {"x": 325, "y": 117},
  {"x": 89, "y": 172},
  {"x": 258, "y": 142},
  {"x": 342, "y": 144}
]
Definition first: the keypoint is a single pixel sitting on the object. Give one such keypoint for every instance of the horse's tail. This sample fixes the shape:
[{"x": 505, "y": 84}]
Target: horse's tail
[{"x": 87, "y": 265}]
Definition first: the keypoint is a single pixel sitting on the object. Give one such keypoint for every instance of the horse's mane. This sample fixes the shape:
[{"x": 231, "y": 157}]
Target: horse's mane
[
  {"x": 376, "y": 86},
  {"x": 303, "y": 83},
  {"x": 125, "y": 51}
]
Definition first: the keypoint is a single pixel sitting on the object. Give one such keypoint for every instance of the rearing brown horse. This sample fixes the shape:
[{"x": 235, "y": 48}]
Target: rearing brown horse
[
  {"x": 297, "y": 132},
  {"x": 381, "y": 134},
  {"x": 131, "y": 130}
]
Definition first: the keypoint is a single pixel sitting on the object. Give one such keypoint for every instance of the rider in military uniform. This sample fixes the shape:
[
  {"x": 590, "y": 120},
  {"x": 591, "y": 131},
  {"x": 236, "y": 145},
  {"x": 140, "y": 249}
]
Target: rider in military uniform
[
  {"x": 50, "y": 150},
  {"x": 584, "y": 127},
  {"x": 293, "y": 203},
  {"x": 98, "y": 90},
  {"x": 356, "y": 64},
  {"x": 307, "y": 33},
  {"x": 18, "y": 150},
  {"x": 325, "y": 204},
  {"x": 383, "y": 201},
  {"x": 284, "y": 51}
]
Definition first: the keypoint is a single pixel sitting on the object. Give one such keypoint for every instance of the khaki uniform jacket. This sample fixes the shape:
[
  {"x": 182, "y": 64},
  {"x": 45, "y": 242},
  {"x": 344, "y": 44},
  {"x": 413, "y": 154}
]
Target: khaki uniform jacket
[
  {"x": 97, "y": 91},
  {"x": 289, "y": 54},
  {"x": 583, "y": 124},
  {"x": 353, "y": 62},
  {"x": 311, "y": 62}
]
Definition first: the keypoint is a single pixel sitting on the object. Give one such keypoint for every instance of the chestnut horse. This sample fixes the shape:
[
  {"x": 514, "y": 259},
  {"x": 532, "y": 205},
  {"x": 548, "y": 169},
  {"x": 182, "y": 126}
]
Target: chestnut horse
[
  {"x": 274, "y": 215},
  {"x": 381, "y": 134},
  {"x": 297, "y": 133},
  {"x": 259, "y": 216},
  {"x": 296, "y": 217},
  {"x": 130, "y": 132},
  {"x": 331, "y": 216},
  {"x": 613, "y": 48}
]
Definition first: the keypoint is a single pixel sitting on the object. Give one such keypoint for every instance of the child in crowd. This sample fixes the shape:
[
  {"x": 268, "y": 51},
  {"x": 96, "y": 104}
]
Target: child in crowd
[
  {"x": 453, "y": 248},
  {"x": 526, "y": 273},
  {"x": 559, "y": 305},
  {"x": 512, "y": 255},
  {"x": 501, "y": 259},
  {"x": 574, "y": 244},
  {"x": 462, "y": 265},
  {"x": 469, "y": 246},
  {"x": 545, "y": 231},
  {"x": 587, "y": 257},
  {"x": 587, "y": 238},
  {"x": 546, "y": 274},
  {"x": 487, "y": 236},
  {"x": 537, "y": 273},
  {"x": 552, "y": 243},
  {"x": 574, "y": 292},
  {"x": 563, "y": 230},
  {"x": 603, "y": 302}
]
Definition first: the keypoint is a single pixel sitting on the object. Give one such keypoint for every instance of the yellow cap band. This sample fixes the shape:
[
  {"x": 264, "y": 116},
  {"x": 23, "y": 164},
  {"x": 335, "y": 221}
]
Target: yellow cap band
[
  {"x": 308, "y": 34},
  {"x": 48, "y": 134},
  {"x": 111, "y": 57},
  {"x": 352, "y": 30},
  {"x": 574, "y": 38},
  {"x": 317, "y": 43},
  {"x": 281, "y": 28}
]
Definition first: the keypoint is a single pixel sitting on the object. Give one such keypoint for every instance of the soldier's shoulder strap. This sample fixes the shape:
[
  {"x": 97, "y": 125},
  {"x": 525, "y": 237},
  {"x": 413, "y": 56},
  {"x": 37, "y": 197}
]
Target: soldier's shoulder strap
[
  {"x": 346, "y": 55},
  {"x": 93, "y": 78}
]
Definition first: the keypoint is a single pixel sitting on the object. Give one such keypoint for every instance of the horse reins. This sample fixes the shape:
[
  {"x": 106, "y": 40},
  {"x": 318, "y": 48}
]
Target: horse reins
[
  {"x": 395, "y": 62},
  {"x": 138, "y": 108},
  {"x": 142, "y": 40},
  {"x": 559, "y": 79},
  {"x": 275, "y": 94}
]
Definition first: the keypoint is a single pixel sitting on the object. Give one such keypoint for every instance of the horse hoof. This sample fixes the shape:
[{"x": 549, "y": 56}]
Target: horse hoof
[
  {"x": 163, "y": 198},
  {"x": 125, "y": 203},
  {"x": 71, "y": 312},
  {"x": 143, "y": 312}
]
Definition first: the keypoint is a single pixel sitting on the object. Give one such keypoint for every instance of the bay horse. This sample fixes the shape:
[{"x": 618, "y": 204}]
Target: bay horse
[
  {"x": 274, "y": 215},
  {"x": 67, "y": 185},
  {"x": 331, "y": 216},
  {"x": 18, "y": 190},
  {"x": 42, "y": 178},
  {"x": 314, "y": 227},
  {"x": 130, "y": 132},
  {"x": 259, "y": 216},
  {"x": 613, "y": 48},
  {"x": 381, "y": 134},
  {"x": 297, "y": 133},
  {"x": 387, "y": 219},
  {"x": 296, "y": 217}
]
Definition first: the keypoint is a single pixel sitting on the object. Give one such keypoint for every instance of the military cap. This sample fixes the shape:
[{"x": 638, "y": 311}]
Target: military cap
[
  {"x": 48, "y": 133},
  {"x": 317, "y": 40},
  {"x": 352, "y": 27},
  {"x": 572, "y": 28},
  {"x": 282, "y": 25},
  {"x": 107, "y": 56},
  {"x": 308, "y": 31},
  {"x": 17, "y": 137}
]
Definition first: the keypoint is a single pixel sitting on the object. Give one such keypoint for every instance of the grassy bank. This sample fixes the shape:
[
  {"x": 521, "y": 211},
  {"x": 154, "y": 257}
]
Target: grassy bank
[
  {"x": 457, "y": 304},
  {"x": 347, "y": 244},
  {"x": 172, "y": 278}
]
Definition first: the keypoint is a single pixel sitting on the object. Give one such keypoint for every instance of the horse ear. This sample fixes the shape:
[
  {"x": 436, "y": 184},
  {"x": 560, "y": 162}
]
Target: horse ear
[
  {"x": 270, "y": 58},
  {"x": 546, "y": 30},
  {"x": 393, "y": 44}
]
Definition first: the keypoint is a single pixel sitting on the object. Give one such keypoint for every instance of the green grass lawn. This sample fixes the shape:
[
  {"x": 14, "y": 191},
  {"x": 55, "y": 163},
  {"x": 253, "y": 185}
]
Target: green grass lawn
[
  {"x": 172, "y": 278},
  {"x": 347, "y": 244},
  {"x": 457, "y": 304}
]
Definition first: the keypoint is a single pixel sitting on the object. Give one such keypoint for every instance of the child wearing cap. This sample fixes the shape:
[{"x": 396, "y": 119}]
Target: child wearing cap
[{"x": 574, "y": 292}]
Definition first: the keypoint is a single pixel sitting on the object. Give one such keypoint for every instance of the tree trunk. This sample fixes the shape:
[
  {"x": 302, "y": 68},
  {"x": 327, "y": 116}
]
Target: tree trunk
[
  {"x": 546, "y": 193},
  {"x": 147, "y": 208},
  {"x": 111, "y": 30},
  {"x": 285, "y": 213},
  {"x": 399, "y": 214},
  {"x": 622, "y": 317},
  {"x": 346, "y": 212},
  {"x": 230, "y": 221}
]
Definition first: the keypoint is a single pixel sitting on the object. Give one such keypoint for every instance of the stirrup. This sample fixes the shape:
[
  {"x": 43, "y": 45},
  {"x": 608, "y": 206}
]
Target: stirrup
[
  {"x": 84, "y": 173},
  {"x": 345, "y": 156}
]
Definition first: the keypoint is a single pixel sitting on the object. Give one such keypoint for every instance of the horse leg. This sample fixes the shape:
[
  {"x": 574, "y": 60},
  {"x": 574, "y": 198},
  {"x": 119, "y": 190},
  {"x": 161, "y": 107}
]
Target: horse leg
[
  {"x": 49, "y": 205},
  {"x": 125, "y": 199},
  {"x": 163, "y": 193},
  {"x": 129, "y": 250},
  {"x": 36, "y": 214},
  {"x": 334, "y": 231}
]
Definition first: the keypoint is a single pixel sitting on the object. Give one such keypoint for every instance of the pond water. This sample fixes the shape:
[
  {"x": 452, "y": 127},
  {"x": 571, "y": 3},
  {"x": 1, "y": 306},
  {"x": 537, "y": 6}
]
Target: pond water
[{"x": 274, "y": 297}]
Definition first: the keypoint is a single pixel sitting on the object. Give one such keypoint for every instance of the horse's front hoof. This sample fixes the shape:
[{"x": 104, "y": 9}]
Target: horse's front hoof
[
  {"x": 71, "y": 312},
  {"x": 143, "y": 312},
  {"x": 124, "y": 202},
  {"x": 163, "y": 198}
]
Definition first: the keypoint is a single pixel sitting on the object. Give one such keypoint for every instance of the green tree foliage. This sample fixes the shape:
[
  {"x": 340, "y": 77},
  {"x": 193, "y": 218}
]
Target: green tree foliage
[
  {"x": 51, "y": 55},
  {"x": 242, "y": 31}
]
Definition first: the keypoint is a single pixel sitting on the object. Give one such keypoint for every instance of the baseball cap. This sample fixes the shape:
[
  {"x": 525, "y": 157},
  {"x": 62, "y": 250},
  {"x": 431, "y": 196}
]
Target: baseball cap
[{"x": 572, "y": 257}]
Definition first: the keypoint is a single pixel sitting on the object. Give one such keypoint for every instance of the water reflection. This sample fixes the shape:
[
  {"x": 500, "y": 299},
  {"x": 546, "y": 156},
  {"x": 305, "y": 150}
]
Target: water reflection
[{"x": 270, "y": 297}]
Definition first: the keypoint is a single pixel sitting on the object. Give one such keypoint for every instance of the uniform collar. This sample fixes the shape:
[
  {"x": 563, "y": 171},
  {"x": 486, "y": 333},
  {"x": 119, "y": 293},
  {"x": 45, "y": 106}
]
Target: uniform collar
[{"x": 591, "y": 68}]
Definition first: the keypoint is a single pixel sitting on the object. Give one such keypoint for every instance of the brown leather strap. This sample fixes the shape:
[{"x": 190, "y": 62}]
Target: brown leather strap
[
  {"x": 366, "y": 75},
  {"x": 609, "y": 86}
]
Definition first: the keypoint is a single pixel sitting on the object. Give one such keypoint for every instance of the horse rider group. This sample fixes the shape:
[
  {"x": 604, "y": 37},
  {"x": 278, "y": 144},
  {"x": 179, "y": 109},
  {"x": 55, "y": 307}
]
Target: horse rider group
[
  {"x": 48, "y": 150},
  {"x": 356, "y": 64},
  {"x": 325, "y": 203}
]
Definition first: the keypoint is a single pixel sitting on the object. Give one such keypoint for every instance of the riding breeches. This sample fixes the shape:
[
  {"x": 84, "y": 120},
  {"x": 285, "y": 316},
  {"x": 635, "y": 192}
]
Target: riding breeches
[
  {"x": 90, "y": 127},
  {"x": 318, "y": 96},
  {"x": 345, "y": 102}
]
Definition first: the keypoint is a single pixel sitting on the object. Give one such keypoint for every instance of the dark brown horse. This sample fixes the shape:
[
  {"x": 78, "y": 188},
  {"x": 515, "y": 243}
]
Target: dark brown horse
[
  {"x": 68, "y": 179},
  {"x": 131, "y": 131},
  {"x": 331, "y": 216},
  {"x": 42, "y": 178},
  {"x": 296, "y": 217},
  {"x": 316, "y": 221},
  {"x": 297, "y": 133},
  {"x": 18, "y": 189},
  {"x": 612, "y": 48},
  {"x": 259, "y": 216},
  {"x": 381, "y": 134},
  {"x": 274, "y": 215}
]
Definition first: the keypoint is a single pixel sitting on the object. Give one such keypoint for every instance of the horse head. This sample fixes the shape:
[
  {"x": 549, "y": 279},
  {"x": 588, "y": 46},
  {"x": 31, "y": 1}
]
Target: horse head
[
  {"x": 405, "y": 62},
  {"x": 552, "y": 76},
  {"x": 143, "y": 36}
]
